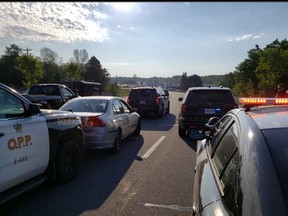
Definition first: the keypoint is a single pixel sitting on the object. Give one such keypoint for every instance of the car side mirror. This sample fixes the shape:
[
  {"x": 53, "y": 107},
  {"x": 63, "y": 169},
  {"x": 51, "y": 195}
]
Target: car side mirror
[
  {"x": 212, "y": 121},
  {"x": 33, "y": 109}
]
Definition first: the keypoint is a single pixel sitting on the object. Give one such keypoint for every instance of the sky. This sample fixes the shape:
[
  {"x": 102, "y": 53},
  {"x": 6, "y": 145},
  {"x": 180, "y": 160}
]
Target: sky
[{"x": 146, "y": 39}]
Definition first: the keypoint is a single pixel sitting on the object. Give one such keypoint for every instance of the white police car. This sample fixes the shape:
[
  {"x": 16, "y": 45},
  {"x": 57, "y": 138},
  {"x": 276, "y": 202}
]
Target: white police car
[
  {"x": 242, "y": 164},
  {"x": 36, "y": 145}
]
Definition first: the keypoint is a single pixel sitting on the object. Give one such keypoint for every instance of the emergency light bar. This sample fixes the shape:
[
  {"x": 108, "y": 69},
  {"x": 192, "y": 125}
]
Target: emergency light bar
[{"x": 258, "y": 101}]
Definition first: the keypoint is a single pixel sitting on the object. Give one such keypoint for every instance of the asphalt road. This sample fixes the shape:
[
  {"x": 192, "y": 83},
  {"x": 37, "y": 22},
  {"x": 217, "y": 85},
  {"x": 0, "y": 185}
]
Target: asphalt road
[{"x": 152, "y": 175}]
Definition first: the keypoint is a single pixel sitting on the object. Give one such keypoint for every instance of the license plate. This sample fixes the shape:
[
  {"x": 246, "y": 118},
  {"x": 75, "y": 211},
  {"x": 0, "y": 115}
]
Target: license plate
[
  {"x": 209, "y": 111},
  {"x": 142, "y": 102}
]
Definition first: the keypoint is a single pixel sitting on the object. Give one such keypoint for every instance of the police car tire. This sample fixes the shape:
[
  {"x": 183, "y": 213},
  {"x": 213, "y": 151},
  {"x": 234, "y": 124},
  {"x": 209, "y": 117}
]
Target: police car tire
[{"x": 67, "y": 161}]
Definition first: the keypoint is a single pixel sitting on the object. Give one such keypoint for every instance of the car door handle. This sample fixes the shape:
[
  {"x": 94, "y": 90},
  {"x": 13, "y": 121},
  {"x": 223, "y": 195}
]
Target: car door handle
[{"x": 1, "y": 134}]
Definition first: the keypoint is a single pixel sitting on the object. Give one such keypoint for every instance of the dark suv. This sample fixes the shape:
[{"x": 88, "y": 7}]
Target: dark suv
[
  {"x": 201, "y": 103},
  {"x": 149, "y": 100}
]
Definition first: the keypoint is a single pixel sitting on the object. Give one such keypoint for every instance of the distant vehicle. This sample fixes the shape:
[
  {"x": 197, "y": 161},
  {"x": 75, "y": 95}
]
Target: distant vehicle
[
  {"x": 84, "y": 88},
  {"x": 166, "y": 92},
  {"x": 36, "y": 145},
  {"x": 107, "y": 120},
  {"x": 241, "y": 165},
  {"x": 201, "y": 103},
  {"x": 149, "y": 100},
  {"x": 49, "y": 95}
]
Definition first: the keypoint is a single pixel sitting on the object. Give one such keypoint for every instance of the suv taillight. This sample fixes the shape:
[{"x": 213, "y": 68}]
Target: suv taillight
[
  {"x": 157, "y": 101},
  {"x": 128, "y": 100},
  {"x": 184, "y": 108}
]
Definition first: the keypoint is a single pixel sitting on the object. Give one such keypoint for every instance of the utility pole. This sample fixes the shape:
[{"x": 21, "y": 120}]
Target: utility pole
[{"x": 27, "y": 50}]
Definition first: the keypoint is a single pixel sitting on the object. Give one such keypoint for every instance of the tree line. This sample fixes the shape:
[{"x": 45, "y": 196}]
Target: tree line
[
  {"x": 20, "y": 70},
  {"x": 261, "y": 72},
  {"x": 257, "y": 75}
]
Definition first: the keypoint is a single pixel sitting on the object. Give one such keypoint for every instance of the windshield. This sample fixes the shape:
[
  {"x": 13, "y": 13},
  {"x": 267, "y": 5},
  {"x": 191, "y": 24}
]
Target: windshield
[
  {"x": 85, "y": 105},
  {"x": 278, "y": 145}
]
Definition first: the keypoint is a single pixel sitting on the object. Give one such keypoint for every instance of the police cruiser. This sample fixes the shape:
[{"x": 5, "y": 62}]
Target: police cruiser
[
  {"x": 242, "y": 163},
  {"x": 36, "y": 144}
]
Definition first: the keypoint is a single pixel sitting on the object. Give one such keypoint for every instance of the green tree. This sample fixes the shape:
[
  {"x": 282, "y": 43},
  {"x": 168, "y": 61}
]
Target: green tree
[
  {"x": 95, "y": 72},
  {"x": 31, "y": 68},
  {"x": 184, "y": 82},
  {"x": 245, "y": 73},
  {"x": 9, "y": 74},
  {"x": 72, "y": 71},
  {"x": 194, "y": 81},
  {"x": 50, "y": 66},
  {"x": 272, "y": 68},
  {"x": 228, "y": 80},
  {"x": 191, "y": 81}
]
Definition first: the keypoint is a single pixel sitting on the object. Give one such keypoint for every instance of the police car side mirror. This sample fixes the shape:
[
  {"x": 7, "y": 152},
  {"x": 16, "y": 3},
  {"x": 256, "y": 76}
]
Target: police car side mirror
[
  {"x": 32, "y": 110},
  {"x": 212, "y": 121}
]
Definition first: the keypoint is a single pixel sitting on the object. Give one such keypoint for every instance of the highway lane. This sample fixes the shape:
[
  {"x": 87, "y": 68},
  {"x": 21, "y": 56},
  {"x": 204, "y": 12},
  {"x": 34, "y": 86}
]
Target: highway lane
[{"x": 151, "y": 175}]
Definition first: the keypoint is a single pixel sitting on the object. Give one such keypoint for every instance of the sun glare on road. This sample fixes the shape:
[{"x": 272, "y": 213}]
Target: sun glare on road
[{"x": 123, "y": 6}]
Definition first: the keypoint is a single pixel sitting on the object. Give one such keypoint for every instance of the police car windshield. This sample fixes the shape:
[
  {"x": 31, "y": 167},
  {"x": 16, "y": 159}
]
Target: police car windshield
[{"x": 278, "y": 146}]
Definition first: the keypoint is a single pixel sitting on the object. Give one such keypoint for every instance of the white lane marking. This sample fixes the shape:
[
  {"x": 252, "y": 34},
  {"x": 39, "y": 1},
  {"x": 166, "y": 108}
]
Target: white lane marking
[
  {"x": 174, "y": 207},
  {"x": 155, "y": 145}
]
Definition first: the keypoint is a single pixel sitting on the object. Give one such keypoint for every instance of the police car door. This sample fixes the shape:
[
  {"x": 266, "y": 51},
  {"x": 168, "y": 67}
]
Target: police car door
[{"x": 24, "y": 142}]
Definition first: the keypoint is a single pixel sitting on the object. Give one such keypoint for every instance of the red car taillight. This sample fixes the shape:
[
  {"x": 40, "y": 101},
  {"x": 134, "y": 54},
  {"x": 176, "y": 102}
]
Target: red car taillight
[
  {"x": 157, "y": 101},
  {"x": 184, "y": 108},
  {"x": 128, "y": 100},
  {"x": 94, "y": 121}
]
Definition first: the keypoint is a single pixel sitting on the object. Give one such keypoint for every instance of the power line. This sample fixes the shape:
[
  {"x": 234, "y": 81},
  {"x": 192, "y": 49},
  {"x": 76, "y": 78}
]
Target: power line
[{"x": 27, "y": 50}]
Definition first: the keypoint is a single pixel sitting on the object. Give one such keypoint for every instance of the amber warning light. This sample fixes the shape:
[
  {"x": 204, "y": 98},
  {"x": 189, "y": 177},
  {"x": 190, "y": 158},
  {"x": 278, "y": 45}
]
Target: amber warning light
[{"x": 250, "y": 102}]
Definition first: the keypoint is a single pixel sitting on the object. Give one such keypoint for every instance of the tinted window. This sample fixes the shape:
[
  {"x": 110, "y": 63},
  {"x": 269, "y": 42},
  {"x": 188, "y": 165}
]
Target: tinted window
[
  {"x": 125, "y": 107},
  {"x": 117, "y": 107},
  {"x": 10, "y": 106},
  {"x": 198, "y": 96},
  {"x": 224, "y": 152},
  {"x": 142, "y": 93},
  {"x": 66, "y": 93},
  {"x": 218, "y": 130},
  {"x": 85, "y": 105}
]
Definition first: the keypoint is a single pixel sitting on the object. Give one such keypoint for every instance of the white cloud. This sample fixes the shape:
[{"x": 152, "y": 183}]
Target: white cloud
[
  {"x": 245, "y": 37},
  {"x": 66, "y": 22}
]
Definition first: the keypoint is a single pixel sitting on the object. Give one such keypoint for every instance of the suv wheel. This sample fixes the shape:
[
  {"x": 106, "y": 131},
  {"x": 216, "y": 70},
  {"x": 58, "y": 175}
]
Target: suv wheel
[
  {"x": 162, "y": 112},
  {"x": 168, "y": 109},
  {"x": 181, "y": 132}
]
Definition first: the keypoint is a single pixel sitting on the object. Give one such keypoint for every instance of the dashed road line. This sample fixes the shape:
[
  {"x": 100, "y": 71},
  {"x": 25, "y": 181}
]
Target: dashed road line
[
  {"x": 174, "y": 207},
  {"x": 154, "y": 146}
]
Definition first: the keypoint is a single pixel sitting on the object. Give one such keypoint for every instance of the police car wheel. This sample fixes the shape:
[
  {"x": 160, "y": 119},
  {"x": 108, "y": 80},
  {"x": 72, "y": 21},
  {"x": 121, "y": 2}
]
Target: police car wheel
[{"x": 68, "y": 161}]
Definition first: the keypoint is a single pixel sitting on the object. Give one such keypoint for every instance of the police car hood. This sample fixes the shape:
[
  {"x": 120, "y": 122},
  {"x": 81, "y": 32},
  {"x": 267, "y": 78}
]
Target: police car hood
[{"x": 51, "y": 113}]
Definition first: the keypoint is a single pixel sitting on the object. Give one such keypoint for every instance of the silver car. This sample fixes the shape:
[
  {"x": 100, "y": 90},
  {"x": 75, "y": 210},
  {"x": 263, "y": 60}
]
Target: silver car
[{"x": 107, "y": 120}]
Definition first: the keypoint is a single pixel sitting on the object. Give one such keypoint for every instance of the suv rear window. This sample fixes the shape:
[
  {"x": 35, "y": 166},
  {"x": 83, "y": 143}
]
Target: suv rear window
[
  {"x": 198, "y": 96},
  {"x": 135, "y": 93}
]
